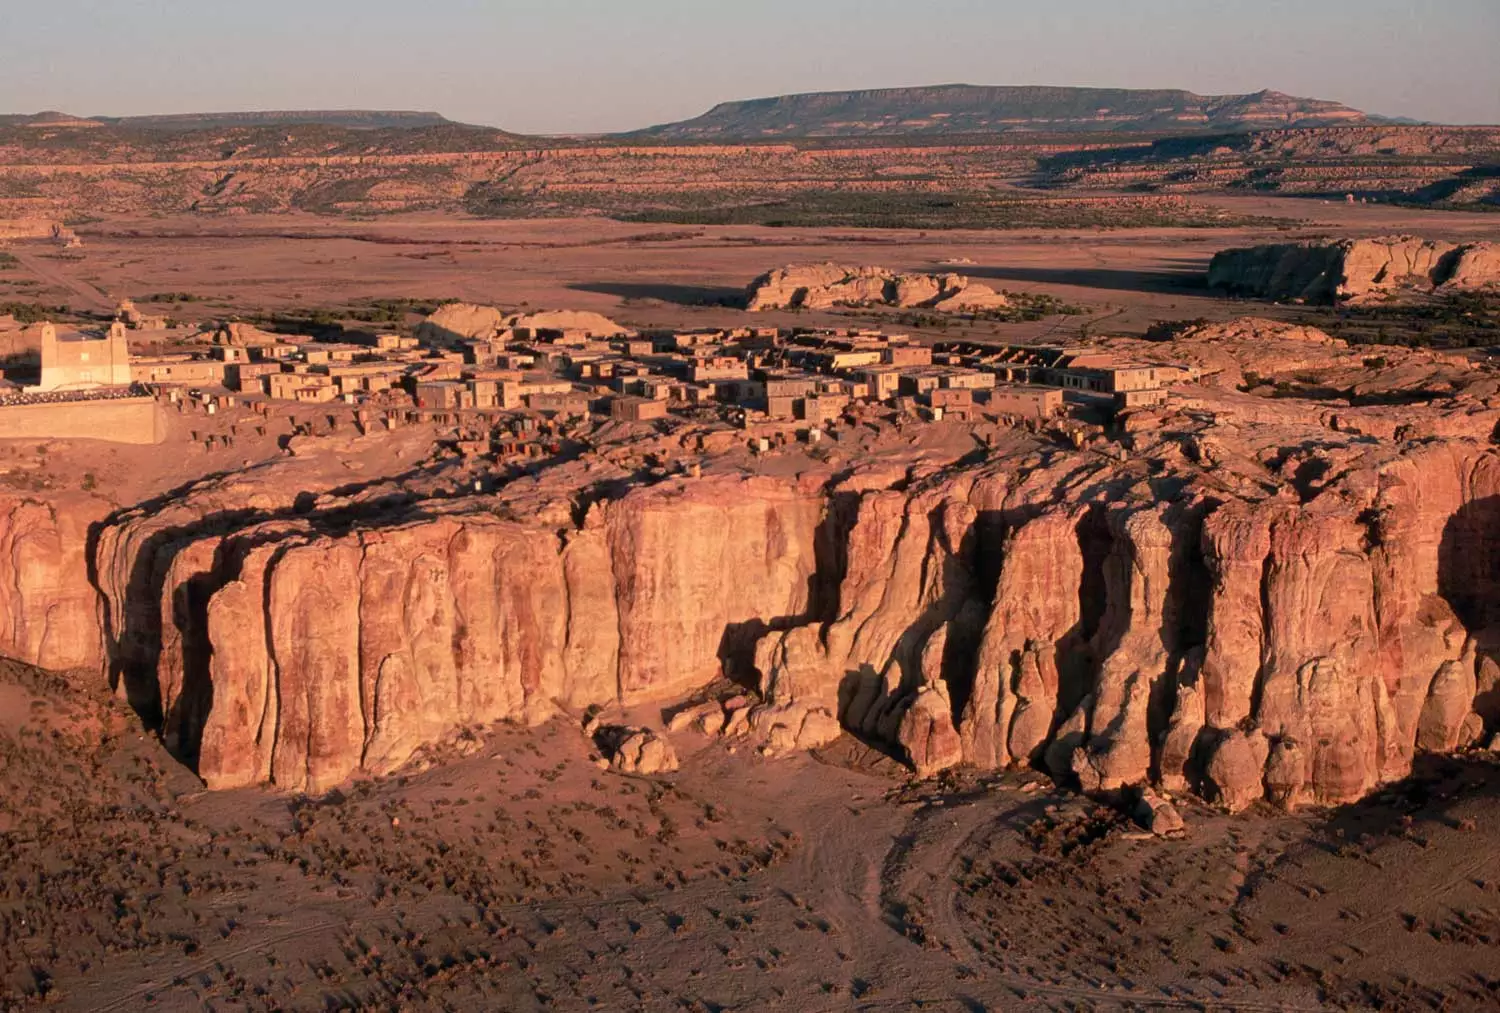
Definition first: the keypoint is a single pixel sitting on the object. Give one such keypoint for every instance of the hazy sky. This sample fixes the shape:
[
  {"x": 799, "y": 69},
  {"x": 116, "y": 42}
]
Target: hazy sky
[{"x": 555, "y": 66}]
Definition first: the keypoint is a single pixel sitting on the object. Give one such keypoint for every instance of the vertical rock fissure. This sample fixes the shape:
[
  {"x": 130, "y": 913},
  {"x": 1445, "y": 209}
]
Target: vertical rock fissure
[
  {"x": 273, "y": 667},
  {"x": 1267, "y": 632}
]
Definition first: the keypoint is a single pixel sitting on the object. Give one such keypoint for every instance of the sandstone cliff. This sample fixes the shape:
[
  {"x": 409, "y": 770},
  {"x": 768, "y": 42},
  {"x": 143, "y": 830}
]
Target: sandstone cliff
[
  {"x": 1243, "y": 647},
  {"x": 48, "y": 613},
  {"x": 820, "y": 286},
  {"x": 278, "y": 646},
  {"x": 1355, "y": 269},
  {"x": 1248, "y": 598}
]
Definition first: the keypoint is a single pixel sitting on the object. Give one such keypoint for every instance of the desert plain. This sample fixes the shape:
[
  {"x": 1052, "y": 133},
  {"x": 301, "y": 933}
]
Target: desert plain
[{"x": 1294, "y": 552}]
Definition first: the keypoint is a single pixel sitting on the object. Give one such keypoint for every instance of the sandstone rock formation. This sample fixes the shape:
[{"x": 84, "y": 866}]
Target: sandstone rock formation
[
  {"x": 594, "y": 325},
  {"x": 1110, "y": 633},
  {"x": 637, "y": 750},
  {"x": 461, "y": 322},
  {"x": 48, "y": 615},
  {"x": 457, "y": 322},
  {"x": 337, "y": 652},
  {"x": 1239, "y": 596},
  {"x": 243, "y": 334},
  {"x": 821, "y": 286},
  {"x": 1355, "y": 269},
  {"x": 1158, "y": 815}
]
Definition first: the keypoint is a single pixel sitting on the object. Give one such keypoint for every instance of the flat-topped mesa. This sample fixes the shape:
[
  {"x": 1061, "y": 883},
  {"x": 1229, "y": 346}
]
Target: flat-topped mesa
[
  {"x": 1355, "y": 270},
  {"x": 823, "y": 286},
  {"x": 1237, "y": 594}
]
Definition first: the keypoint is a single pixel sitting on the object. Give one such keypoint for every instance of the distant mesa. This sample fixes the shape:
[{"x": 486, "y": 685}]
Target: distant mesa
[
  {"x": 970, "y": 109},
  {"x": 1355, "y": 270},
  {"x": 823, "y": 286},
  {"x": 349, "y": 119}
]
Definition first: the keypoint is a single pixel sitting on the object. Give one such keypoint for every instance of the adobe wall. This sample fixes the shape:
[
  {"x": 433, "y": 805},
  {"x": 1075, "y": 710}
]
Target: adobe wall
[{"x": 122, "y": 420}]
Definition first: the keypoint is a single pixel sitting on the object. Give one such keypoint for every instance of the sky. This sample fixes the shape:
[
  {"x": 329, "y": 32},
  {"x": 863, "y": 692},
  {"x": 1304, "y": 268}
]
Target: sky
[{"x": 577, "y": 66}]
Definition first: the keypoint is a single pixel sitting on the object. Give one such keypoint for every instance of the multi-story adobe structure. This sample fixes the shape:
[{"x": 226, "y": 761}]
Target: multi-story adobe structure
[{"x": 83, "y": 362}]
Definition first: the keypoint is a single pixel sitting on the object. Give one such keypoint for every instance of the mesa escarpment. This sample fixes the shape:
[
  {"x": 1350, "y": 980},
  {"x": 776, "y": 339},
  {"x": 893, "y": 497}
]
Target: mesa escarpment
[
  {"x": 297, "y": 647},
  {"x": 1217, "y": 594},
  {"x": 1447, "y": 167},
  {"x": 968, "y": 109},
  {"x": 1356, "y": 270},
  {"x": 307, "y": 167}
]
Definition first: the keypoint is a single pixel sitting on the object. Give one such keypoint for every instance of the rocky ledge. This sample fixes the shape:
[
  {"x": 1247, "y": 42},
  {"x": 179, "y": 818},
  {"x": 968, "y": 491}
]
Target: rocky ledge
[
  {"x": 1355, "y": 270},
  {"x": 1233, "y": 594}
]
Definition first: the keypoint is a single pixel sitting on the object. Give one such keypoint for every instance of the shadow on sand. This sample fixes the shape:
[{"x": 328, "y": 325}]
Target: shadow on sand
[
  {"x": 1188, "y": 280},
  {"x": 681, "y": 295}
]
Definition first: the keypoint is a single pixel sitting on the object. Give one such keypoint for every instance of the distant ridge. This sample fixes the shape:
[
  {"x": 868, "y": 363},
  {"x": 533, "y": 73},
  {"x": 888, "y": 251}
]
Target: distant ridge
[
  {"x": 971, "y": 109},
  {"x": 350, "y": 119}
]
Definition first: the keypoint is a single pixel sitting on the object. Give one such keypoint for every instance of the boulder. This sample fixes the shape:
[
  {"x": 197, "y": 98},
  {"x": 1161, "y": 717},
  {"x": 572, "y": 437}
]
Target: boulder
[
  {"x": 1156, "y": 814},
  {"x": 927, "y": 733},
  {"x": 636, "y": 750},
  {"x": 1233, "y": 775}
]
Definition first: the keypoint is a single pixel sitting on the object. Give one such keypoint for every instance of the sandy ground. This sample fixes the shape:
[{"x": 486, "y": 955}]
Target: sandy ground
[
  {"x": 663, "y": 275},
  {"x": 507, "y": 871}
]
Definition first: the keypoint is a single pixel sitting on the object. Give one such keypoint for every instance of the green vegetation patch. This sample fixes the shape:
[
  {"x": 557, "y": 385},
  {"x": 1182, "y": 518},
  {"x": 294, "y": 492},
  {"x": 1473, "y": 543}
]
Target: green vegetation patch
[
  {"x": 1461, "y": 320},
  {"x": 34, "y": 312},
  {"x": 1025, "y": 307},
  {"x": 938, "y": 211}
]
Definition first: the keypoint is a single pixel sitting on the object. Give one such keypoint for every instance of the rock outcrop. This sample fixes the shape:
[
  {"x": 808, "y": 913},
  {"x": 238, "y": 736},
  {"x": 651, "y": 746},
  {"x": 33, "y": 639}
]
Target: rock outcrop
[
  {"x": 1246, "y": 649},
  {"x": 237, "y": 332},
  {"x": 48, "y": 613},
  {"x": 461, "y": 322},
  {"x": 1355, "y": 269},
  {"x": 821, "y": 286},
  {"x": 1236, "y": 597},
  {"x": 338, "y": 651},
  {"x": 458, "y": 322},
  {"x": 594, "y": 325},
  {"x": 636, "y": 750}
]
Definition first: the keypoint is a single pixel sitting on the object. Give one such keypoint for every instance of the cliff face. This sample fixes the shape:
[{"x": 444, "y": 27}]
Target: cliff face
[
  {"x": 961, "y": 109},
  {"x": 1355, "y": 269},
  {"x": 1239, "y": 648},
  {"x": 48, "y": 612},
  {"x": 1113, "y": 621},
  {"x": 297, "y": 652}
]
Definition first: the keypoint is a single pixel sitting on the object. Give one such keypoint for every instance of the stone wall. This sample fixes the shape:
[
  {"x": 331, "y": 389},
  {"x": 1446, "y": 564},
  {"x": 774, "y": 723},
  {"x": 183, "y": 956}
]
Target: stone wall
[{"x": 120, "y": 420}]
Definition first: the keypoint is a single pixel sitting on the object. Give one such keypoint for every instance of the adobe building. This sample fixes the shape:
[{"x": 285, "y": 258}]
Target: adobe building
[
  {"x": 177, "y": 369},
  {"x": 1026, "y": 400},
  {"x": 636, "y": 409},
  {"x": 82, "y": 362}
]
